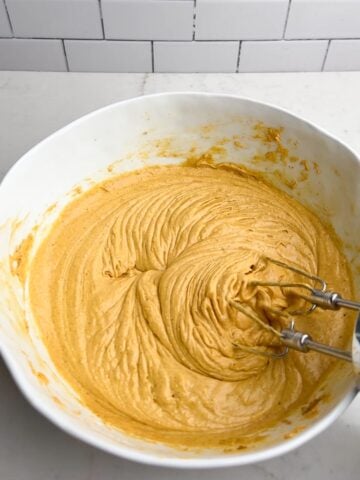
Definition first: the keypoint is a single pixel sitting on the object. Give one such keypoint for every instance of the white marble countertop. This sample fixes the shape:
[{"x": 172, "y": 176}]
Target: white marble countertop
[{"x": 32, "y": 105}]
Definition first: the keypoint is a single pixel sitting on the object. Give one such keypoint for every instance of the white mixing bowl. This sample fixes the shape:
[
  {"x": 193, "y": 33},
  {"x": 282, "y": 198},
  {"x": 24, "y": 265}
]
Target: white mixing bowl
[{"x": 151, "y": 130}]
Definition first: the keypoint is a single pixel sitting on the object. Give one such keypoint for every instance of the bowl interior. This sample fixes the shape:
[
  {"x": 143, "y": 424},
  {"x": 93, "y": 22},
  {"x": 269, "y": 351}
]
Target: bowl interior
[{"x": 306, "y": 163}]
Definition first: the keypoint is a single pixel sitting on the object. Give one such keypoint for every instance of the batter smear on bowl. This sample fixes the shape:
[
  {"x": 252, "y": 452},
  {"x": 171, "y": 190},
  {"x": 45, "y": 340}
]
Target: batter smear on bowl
[{"x": 133, "y": 288}]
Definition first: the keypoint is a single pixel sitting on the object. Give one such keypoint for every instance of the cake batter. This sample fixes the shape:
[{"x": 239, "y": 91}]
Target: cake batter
[{"x": 132, "y": 293}]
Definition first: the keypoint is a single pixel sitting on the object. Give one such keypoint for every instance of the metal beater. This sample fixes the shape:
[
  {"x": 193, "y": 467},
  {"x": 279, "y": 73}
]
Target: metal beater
[{"x": 316, "y": 296}]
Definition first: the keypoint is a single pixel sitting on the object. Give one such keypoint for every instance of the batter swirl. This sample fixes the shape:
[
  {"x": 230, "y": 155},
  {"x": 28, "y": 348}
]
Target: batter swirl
[{"x": 132, "y": 290}]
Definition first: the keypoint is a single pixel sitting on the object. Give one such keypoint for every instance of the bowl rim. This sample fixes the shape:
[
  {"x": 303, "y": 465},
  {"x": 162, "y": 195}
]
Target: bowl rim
[{"x": 64, "y": 422}]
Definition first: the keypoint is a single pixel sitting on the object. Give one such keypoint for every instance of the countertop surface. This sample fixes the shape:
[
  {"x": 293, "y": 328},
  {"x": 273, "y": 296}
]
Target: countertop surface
[{"x": 33, "y": 105}]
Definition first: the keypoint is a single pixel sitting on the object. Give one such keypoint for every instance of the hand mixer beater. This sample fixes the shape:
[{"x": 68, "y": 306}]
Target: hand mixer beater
[{"x": 314, "y": 291}]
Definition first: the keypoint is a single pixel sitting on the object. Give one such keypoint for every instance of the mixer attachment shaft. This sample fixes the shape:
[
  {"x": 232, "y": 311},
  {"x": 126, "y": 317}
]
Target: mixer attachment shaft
[{"x": 304, "y": 343}]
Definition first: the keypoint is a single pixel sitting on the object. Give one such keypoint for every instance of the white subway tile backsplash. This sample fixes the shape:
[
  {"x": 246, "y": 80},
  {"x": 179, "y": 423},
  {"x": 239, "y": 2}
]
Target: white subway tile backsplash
[
  {"x": 343, "y": 55},
  {"x": 5, "y": 30},
  {"x": 323, "y": 19},
  {"x": 108, "y": 56},
  {"x": 148, "y": 19},
  {"x": 29, "y": 54},
  {"x": 195, "y": 56},
  {"x": 283, "y": 56},
  {"x": 180, "y": 35},
  {"x": 55, "y": 18},
  {"x": 240, "y": 19}
]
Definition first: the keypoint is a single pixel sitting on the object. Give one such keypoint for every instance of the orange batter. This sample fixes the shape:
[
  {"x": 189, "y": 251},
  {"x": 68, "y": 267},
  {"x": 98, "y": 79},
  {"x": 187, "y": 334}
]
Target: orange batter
[{"x": 132, "y": 292}]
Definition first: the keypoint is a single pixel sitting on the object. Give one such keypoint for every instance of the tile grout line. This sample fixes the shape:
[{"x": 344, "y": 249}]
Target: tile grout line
[
  {"x": 152, "y": 57},
  {"x": 66, "y": 59},
  {"x": 286, "y": 19},
  {"x": 238, "y": 59},
  {"x": 101, "y": 19},
  {"x": 131, "y": 40},
  {"x": 194, "y": 21},
  {"x": 8, "y": 17},
  {"x": 326, "y": 55}
]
